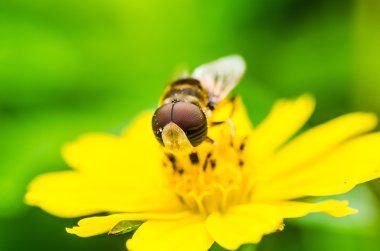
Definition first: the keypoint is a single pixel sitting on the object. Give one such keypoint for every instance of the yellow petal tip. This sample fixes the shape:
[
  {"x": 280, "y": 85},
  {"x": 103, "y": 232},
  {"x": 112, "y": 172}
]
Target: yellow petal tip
[
  {"x": 340, "y": 209},
  {"x": 370, "y": 118},
  {"x": 70, "y": 230},
  {"x": 354, "y": 211},
  {"x": 31, "y": 198},
  {"x": 308, "y": 100},
  {"x": 78, "y": 232},
  {"x": 27, "y": 199}
]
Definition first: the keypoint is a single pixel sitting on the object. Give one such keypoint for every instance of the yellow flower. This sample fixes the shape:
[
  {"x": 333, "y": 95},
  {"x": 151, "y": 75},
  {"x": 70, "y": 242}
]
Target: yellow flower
[{"x": 232, "y": 193}]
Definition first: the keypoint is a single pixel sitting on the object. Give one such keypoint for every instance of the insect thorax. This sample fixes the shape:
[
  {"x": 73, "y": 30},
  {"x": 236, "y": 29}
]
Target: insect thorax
[{"x": 186, "y": 90}]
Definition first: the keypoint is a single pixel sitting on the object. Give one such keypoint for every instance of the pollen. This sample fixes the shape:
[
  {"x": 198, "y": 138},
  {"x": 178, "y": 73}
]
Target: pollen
[{"x": 212, "y": 178}]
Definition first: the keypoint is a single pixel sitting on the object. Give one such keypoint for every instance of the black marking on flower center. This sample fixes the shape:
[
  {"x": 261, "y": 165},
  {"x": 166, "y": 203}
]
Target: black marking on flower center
[
  {"x": 242, "y": 145},
  {"x": 213, "y": 163},
  {"x": 194, "y": 158},
  {"x": 206, "y": 161},
  {"x": 181, "y": 199},
  {"x": 241, "y": 163},
  {"x": 205, "y": 165},
  {"x": 173, "y": 160}
]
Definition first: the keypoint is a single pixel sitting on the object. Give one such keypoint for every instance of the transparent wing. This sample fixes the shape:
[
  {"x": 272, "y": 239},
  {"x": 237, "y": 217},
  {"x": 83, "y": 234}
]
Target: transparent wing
[{"x": 221, "y": 76}]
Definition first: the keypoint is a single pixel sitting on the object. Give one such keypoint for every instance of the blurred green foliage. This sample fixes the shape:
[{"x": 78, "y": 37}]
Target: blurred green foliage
[{"x": 69, "y": 67}]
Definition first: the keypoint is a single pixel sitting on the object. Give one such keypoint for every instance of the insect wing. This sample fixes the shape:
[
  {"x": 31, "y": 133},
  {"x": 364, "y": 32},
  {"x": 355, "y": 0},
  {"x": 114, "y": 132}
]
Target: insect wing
[{"x": 221, "y": 76}]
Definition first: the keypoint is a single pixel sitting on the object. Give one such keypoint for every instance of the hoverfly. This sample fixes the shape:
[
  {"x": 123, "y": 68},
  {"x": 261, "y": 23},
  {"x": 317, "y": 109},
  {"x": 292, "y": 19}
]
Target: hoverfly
[{"x": 181, "y": 122}]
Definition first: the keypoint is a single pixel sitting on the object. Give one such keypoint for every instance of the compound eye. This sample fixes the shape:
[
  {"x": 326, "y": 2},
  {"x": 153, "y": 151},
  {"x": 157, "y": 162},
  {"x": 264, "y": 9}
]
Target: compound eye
[
  {"x": 160, "y": 119},
  {"x": 192, "y": 120}
]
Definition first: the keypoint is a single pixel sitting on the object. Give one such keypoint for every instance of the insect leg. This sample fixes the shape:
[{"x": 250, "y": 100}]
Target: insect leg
[
  {"x": 232, "y": 128},
  {"x": 228, "y": 121},
  {"x": 210, "y": 140},
  {"x": 232, "y": 100}
]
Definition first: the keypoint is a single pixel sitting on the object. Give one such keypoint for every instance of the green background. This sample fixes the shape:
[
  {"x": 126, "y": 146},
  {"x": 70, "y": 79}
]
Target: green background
[{"x": 70, "y": 67}]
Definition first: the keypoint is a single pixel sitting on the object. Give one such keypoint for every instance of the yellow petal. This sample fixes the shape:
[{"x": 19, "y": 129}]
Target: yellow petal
[
  {"x": 110, "y": 170},
  {"x": 73, "y": 194},
  {"x": 285, "y": 119},
  {"x": 237, "y": 113},
  {"x": 295, "y": 209},
  {"x": 186, "y": 234},
  {"x": 319, "y": 140},
  {"x": 352, "y": 163},
  {"x": 102, "y": 224},
  {"x": 136, "y": 153},
  {"x": 243, "y": 224},
  {"x": 140, "y": 130}
]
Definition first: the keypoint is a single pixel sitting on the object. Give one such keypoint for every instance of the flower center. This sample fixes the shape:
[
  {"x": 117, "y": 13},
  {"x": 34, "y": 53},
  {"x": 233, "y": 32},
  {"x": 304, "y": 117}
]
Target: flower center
[{"x": 212, "y": 178}]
